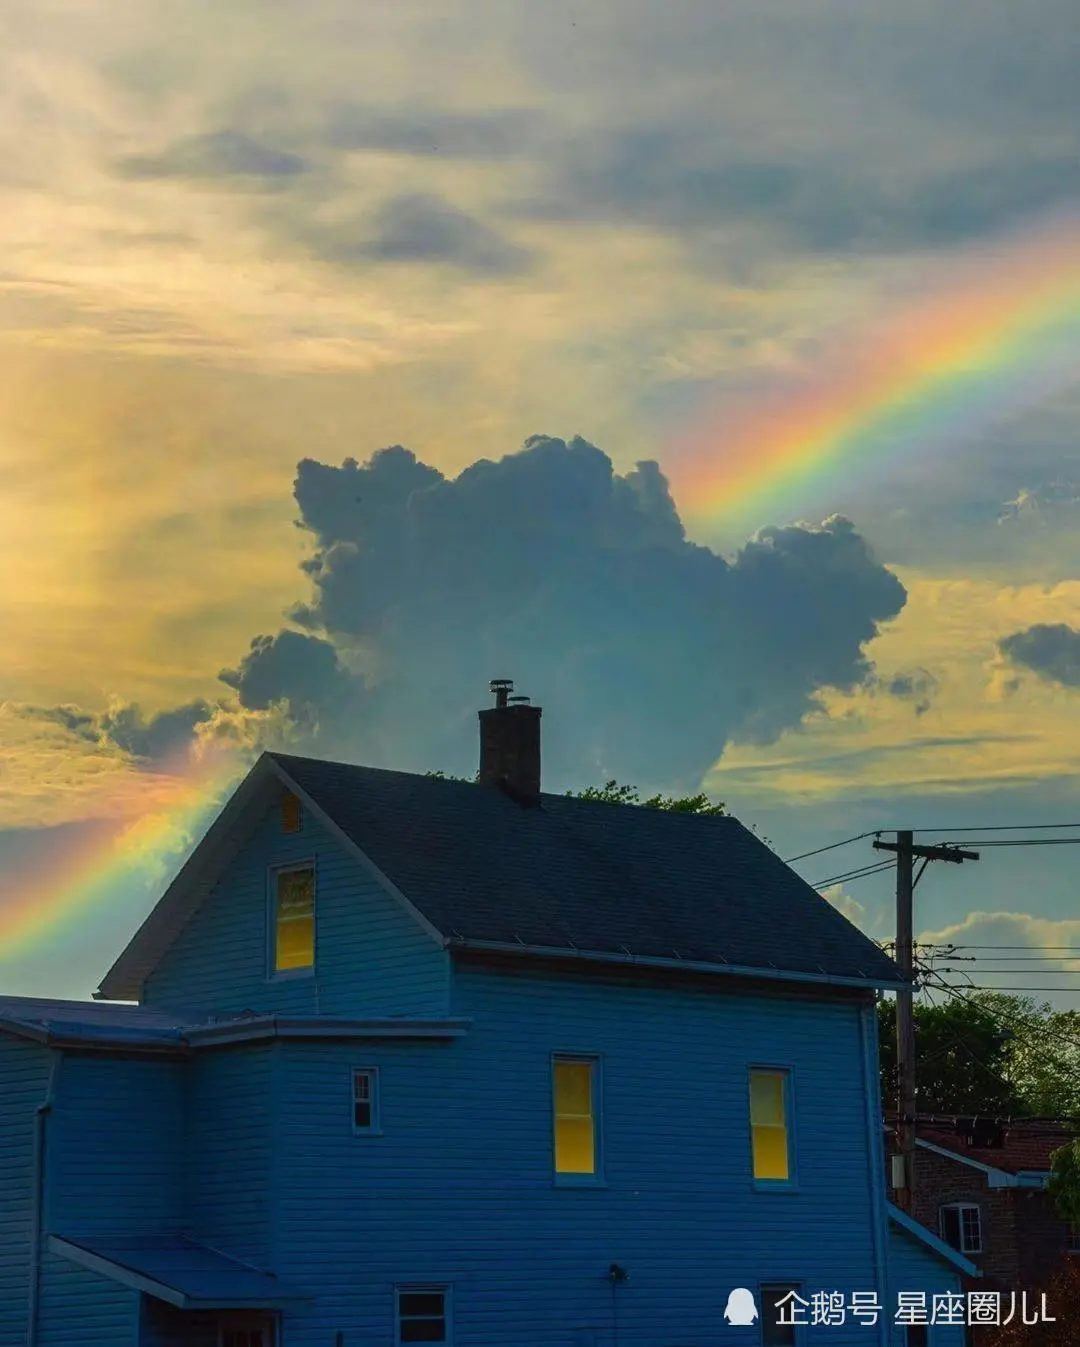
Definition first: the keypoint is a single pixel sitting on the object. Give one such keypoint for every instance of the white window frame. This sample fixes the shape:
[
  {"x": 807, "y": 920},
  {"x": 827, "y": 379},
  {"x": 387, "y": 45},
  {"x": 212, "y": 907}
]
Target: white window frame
[
  {"x": 423, "y": 1289},
  {"x": 371, "y": 1075},
  {"x": 961, "y": 1208}
]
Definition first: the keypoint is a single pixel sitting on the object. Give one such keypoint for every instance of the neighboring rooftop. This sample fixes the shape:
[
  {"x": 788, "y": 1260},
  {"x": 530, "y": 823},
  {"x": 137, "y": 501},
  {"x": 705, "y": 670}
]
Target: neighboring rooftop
[{"x": 1026, "y": 1146}]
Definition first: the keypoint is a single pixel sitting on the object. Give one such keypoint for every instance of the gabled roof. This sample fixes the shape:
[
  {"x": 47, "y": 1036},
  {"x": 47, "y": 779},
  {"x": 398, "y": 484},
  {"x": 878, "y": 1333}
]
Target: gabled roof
[
  {"x": 938, "y": 1246},
  {"x": 568, "y": 877}
]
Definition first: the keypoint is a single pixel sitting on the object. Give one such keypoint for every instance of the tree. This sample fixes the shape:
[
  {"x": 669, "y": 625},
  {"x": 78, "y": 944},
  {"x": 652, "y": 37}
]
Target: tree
[
  {"x": 962, "y": 1060},
  {"x": 1062, "y": 1297},
  {"x": 611, "y": 792},
  {"x": 1065, "y": 1182},
  {"x": 989, "y": 1053}
]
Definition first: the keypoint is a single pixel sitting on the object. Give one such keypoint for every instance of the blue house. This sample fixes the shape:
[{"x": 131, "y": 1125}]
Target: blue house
[{"x": 408, "y": 1060}]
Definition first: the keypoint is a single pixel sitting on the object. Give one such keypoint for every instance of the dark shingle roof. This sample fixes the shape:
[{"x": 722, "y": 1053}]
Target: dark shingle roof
[{"x": 586, "y": 876}]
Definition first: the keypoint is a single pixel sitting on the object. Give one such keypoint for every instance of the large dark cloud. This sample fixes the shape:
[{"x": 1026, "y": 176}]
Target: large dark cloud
[
  {"x": 158, "y": 741},
  {"x": 1051, "y": 650},
  {"x": 649, "y": 652}
]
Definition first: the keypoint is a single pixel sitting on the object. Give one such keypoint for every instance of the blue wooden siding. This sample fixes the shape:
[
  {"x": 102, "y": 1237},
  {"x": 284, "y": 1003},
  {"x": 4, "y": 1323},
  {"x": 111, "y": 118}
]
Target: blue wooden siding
[
  {"x": 459, "y": 1187},
  {"x": 231, "y": 1129},
  {"x": 24, "y": 1073},
  {"x": 80, "y": 1307},
  {"x": 372, "y": 958},
  {"x": 116, "y": 1147},
  {"x": 913, "y": 1267}
]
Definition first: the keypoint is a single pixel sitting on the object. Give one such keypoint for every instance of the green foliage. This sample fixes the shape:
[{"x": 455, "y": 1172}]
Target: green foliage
[
  {"x": 1062, "y": 1297},
  {"x": 1065, "y": 1182},
  {"x": 611, "y": 792},
  {"x": 990, "y": 1053}
]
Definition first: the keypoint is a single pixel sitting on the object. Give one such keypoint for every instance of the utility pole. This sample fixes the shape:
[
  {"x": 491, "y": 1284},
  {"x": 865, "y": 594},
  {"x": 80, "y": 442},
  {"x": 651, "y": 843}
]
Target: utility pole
[{"x": 906, "y": 851}]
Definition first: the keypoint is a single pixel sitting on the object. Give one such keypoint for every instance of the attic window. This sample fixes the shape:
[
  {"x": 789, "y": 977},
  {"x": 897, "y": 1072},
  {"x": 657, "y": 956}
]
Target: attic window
[{"x": 291, "y": 816}]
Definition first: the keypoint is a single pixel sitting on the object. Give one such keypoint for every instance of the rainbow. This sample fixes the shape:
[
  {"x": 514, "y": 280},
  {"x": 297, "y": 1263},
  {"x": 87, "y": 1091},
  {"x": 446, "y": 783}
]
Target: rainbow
[
  {"x": 987, "y": 333},
  {"x": 110, "y": 858}
]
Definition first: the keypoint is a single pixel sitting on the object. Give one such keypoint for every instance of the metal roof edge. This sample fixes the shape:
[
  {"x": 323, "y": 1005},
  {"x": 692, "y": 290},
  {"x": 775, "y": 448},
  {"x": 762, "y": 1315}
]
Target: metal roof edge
[
  {"x": 122, "y": 982},
  {"x": 655, "y": 961},
  {"x": 932, "y": 1242},
  {"x": 292, "y": 1027}
]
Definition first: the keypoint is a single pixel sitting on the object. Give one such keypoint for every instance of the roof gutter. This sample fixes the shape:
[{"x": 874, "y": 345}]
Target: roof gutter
[
  {"x": 691, "y": 965},
  {"x": 278, "y": 1027},
  {"x": 872, "y": 1096}
]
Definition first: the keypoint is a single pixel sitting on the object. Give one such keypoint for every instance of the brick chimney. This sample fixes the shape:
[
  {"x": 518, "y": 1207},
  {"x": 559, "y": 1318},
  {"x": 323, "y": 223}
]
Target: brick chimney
[{"x": 510, "y": 744}]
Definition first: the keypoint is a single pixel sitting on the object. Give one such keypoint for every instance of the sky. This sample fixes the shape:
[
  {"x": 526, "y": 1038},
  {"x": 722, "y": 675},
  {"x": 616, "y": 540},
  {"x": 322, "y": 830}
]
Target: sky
[{"x": 349, "y": 357}]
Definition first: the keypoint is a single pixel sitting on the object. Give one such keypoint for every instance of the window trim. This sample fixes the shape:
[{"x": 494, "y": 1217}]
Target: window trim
[
  {"x": 596, "y": 1179},
  {"x": 425, "y": 1288},
  {"x": 796, "y": 1284},
  {"x": 372, "y": 1073},
  {"x": 1072, "y": 1237},
  {"x": 961, "y": 1207},
  {"x": 785, "y": 1069},
  {"x": 274, "y": 974}
]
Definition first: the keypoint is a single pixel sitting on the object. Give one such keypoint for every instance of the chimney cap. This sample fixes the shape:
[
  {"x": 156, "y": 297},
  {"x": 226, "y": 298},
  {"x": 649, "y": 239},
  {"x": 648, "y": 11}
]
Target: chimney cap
[
  {"x": 519, "y": 700},
  {"x": 497, "y": 683}
]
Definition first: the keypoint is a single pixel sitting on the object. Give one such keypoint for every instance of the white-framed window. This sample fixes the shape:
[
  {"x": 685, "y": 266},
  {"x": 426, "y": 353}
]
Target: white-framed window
[
  {"x": 961, "y": 1226},
  {"x": 575, "y": 1110},
  {"x": 365, "y": 1100},
  {"x": 422, "y": 1314},
  {"x": 292, "y": 918}
]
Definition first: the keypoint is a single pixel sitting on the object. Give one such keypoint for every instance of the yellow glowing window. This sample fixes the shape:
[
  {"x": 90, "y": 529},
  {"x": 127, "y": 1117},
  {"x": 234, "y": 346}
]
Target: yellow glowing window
[
  {"x": 290, "y": 814},
  {"x": 294, "y": 920},
  {"x": 575, "y": 1116},
  {"x": 769, "y": 1125}
]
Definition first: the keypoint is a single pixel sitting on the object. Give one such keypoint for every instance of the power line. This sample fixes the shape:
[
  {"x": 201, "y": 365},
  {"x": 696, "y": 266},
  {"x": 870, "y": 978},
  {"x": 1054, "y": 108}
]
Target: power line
[
  {"x": 874, "y": 868},
  {"x": 1076, "y": 948},
  {"x": 983, "y": 987},
  {"x": 991, "y": 828},
  {"x": 1020, "y": 842},
  {"x": 833, "y": 845}
]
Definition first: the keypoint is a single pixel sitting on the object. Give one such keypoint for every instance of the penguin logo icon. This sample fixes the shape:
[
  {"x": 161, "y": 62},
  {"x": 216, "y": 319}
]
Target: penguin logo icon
[{"x": 741, "y": 1309}]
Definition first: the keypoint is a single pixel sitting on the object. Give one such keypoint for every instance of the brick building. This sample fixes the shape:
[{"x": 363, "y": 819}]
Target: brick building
[{"x": 983, "y": 1189}]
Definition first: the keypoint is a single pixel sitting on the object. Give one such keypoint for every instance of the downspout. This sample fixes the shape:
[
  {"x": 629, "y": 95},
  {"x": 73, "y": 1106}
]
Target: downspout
[
  {"x": 879, "y": 1218},
  {"x": 37, "y": 1213}
]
